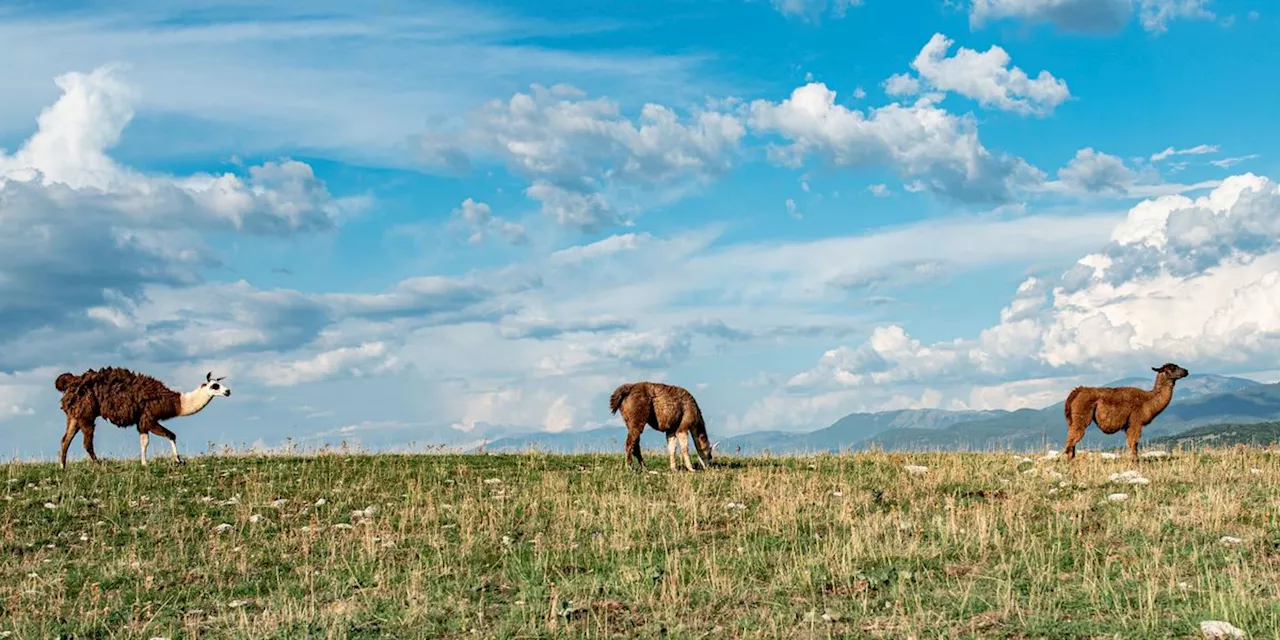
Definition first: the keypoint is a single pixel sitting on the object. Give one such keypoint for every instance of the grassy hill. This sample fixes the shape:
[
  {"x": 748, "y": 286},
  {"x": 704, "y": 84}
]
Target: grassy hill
[
  {"x": 1224, "y": 435},
  {"x": 980, "y": 545}
]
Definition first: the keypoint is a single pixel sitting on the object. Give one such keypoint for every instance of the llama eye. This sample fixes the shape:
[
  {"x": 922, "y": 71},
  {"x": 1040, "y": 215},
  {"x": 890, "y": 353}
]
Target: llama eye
[{"x": 214, "y": 387}]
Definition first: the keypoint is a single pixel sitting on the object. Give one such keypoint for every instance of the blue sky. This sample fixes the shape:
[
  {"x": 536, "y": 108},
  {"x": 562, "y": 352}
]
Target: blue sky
[{"x": 445, "y": 223}]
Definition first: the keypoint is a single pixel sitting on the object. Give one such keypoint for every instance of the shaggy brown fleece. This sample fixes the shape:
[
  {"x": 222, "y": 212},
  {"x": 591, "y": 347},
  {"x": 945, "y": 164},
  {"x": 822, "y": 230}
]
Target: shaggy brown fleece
[
  {"x": 121, "y": 396},
  {"x": 664, "y": 407},
  {"x": 1114, "y": 409}
]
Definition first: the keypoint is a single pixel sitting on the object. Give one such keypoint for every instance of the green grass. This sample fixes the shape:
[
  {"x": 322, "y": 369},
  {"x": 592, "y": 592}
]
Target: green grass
[{"x": 980, "y": 546}]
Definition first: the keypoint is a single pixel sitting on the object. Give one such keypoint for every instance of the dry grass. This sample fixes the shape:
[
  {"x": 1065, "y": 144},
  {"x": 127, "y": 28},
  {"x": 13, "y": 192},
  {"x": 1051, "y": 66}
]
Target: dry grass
[{"x": 535, "y": 546}]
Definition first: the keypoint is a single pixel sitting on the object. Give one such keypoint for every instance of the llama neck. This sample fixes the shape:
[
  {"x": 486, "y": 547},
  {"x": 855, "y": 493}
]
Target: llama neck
[
  {"x": 1160, "y": 396},
  {"x": 193, "y": 402}
]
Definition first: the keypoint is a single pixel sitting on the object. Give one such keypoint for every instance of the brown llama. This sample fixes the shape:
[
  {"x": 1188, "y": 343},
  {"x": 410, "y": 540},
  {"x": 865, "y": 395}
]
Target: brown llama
[
  {"x": 667, "y": 408},
  {"x": 1127, "y": 409},
  {"x": 127, "y": 399}
]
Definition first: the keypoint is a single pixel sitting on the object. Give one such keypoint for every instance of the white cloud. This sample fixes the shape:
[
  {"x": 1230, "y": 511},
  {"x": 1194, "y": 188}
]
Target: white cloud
[
  {"x": 318, "y": 74},
  {"x": 1095, "y": 172},
  {"x": 1226, "y": 163},
  {"x": 988, "y": 78},
  {"x": 371, "y": 358},
  {"x": 880, "y": 190},
  {"x": 1092, "y": 172},
  {"x": 80, "y": 234},
  {"x": 582, "y": 156},
  {"x": 920, "y": 141},
  {"x": 814, "y": 9},
  {"x": 901, "y": 84},
  {"x": 790, "y": 204},
  {"x": 1199, "y": 149},
  {"x": 1190, "y": 281},
  {"x": 478, "y": 219},
  {"x": 1089, "y": 15}
]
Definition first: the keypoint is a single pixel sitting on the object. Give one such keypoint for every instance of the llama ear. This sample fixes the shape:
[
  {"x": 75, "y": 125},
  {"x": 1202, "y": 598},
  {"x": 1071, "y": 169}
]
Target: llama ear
[
  {"x": 1156, "y": 369},
  {"x": 208, "y": 377}
]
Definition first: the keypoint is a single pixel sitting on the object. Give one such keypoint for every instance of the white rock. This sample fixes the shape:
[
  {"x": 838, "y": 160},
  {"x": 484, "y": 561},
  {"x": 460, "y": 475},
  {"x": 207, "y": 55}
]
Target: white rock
[
  {"x": 255, "y": 518},
  {"x": 1051, "y": 454},
  {"x": 342, "y": 525},
  {"x": 1154, "y": 454},
  {"x": 278, "y": 503},
  {"x": 915, "y": 469},
  {"x": 321, "y": 502},
  {"x": 1230, "y": 540},
  {"x": 1118, "y": 497},
  {"x": 1219, "y": 629},
  {"x": 223, "y": 528},
  {"x": 1107, "y": 455},
  {"x": 1255, "y": 471}
]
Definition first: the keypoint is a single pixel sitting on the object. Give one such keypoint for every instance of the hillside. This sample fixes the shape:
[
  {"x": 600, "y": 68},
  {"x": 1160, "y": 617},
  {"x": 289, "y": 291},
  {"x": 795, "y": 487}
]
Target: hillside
[
  {"x": 484, "y": 546},
  {"x": 1259, "y": 434}
]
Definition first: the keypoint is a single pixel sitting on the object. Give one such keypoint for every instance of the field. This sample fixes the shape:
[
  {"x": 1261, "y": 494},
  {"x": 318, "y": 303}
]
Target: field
[{"x": 979, "y": 545}]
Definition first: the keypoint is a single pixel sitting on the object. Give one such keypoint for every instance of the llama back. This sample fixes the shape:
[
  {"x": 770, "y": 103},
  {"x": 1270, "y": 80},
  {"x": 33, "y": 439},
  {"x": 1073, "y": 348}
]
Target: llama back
[{"x": 120, "y": 396}]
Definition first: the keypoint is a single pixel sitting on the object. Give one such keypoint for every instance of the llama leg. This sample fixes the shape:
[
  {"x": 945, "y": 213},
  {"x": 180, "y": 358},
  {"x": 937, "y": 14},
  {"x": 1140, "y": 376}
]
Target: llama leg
[
  {"x": 72, "y": 427},
  {"x": 1131, "y": 435},
  {"x": 684, "y": 449},
  {"x": 671, "y": 450},
  {"x": 143, "y": 439},
  {"x": 1075, "y": 431},
  {"x": 1074, "y": 435},
  {"x": 633, "y": 447},
  {"x": 159, "y": 430},
  {"x": 86, "y": 430}
]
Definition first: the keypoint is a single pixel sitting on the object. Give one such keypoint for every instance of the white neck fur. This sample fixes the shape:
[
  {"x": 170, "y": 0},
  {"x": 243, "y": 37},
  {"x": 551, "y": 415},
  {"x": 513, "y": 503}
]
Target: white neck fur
[{"x": 194, "y": 401}]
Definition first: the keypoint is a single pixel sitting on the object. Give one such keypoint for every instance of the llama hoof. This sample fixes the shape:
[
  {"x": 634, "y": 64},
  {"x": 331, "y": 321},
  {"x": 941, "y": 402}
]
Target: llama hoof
[{"x": 179, "y": 461}]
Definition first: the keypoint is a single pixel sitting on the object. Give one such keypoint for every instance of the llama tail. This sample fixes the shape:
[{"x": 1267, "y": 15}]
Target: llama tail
[
  {"x": 619, "y": 394},
  {"x": 64, "y": 381},
  {"x": 1066, "y": 408}
]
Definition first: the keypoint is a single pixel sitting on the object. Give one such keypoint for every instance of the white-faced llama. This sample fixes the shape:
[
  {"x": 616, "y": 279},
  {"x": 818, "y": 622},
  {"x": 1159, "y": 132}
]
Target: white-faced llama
[{"x": 128, "y": 399}]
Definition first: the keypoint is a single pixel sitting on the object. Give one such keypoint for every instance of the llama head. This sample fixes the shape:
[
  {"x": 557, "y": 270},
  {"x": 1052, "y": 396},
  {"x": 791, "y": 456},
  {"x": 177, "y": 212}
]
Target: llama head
[
  {"x": 1171, "y": 371},
  {"x": 213, "y": 387}
]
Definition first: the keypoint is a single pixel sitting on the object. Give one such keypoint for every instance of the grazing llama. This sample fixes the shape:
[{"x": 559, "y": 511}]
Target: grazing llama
[
  {"x": 1127, "y": 409},
  {"x": 667, "y": 408},
  {"x": 126, "y": 399}
]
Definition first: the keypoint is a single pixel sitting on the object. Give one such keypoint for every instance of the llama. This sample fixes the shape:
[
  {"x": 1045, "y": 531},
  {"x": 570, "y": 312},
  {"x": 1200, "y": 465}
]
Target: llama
[
  {"x": 667, "y": 408},
  {"x": 1119, "y": 408},
  {"x": 127, "y": 399}
]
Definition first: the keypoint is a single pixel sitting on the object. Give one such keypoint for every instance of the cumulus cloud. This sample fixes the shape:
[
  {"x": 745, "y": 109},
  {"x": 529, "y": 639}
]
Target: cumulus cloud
[
  {"x": 370, "y": 358},
  {"x": 81, "y": 234},
  {"x": 478, "y": 219},
  {"x": 583, "y": 155},
  {"x": 1196, "y": 281},
  {"x": 920, "y": 141},
  {"x": 1095, "y": 172},
  {"x": 901, "y": 84},
  {"x": 988, "y": 78},
  {"x": 1097, "y": 16}
]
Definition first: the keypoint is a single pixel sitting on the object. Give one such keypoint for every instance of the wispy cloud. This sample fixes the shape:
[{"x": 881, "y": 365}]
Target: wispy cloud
[{"x": 328, "y": 76}]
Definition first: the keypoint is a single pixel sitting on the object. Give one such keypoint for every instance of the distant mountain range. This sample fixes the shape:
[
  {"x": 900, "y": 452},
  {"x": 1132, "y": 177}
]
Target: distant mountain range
[
  {"x": 1223, "y": 435},
  {"x": 1199, "y": 400}
]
